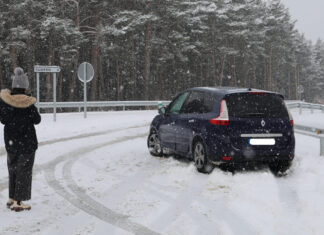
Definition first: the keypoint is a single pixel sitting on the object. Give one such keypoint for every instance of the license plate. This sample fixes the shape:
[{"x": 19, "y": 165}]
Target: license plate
[{"x": 262, "y": 141}]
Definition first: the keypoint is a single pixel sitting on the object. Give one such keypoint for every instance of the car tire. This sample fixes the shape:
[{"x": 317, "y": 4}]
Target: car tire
[
  {"x": 279, "y": 167},
  {"x": 200, "y": 158},
  {"x": 153, "y": 144}
]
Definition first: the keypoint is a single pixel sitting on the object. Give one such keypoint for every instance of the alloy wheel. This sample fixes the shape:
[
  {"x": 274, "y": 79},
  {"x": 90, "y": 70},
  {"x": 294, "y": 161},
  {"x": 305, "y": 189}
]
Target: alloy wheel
[
  {"x": 154, "y": 144},
  {"x": 199, "y": 155}
]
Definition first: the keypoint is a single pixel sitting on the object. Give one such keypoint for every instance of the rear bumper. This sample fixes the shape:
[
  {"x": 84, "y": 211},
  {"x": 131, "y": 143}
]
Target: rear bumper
[
  {"x": 257, "y": 157},
  {"x": 249, "y": 154}
]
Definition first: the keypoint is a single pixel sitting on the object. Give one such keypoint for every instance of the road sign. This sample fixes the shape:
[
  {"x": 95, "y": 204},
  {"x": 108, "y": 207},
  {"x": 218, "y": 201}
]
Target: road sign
[
  {"x": 85, "y": 72},
  {"x": 300, "y": 89},
  {"x": 46, "y": 69}
]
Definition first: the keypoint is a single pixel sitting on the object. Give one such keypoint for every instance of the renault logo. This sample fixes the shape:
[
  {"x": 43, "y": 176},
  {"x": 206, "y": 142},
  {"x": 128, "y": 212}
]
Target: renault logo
[{"x": 263, "y": 123}]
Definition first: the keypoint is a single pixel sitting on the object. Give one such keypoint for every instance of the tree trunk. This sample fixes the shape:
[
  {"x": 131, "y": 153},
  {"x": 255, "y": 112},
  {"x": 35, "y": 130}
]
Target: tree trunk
[
  {"x": 298, "y": 80},
  {"x": 234, "y": 81},
  {"x": 296, "y": 83},
  {"x": 270, "y": 69},
  {"x": 214, "y": 54},
  {"x": 118, "y": 81},
  {"x": 148, "y": 31},
  {"x": 72, "y": 90},
  {"x": 289, "y": 83},
  {"x": 30, "y": 65},
  {"x": 59, "y": 84},
  {"x": 13, "y": 58},
  {"x": 94, "y": 59},
  {"x": 49, "y": 82},
  {"x": 254, "y": 76},
  {"x": 73, "y": 83},
  {"x": 201, "y": 73},
  {"x": 221, "y": 77},
  {"x": 102, "y": 88},
  {"x": 265, "y": 81},
  {"x": 13, "y": 52},
  {"x": 133, "y": 63}
]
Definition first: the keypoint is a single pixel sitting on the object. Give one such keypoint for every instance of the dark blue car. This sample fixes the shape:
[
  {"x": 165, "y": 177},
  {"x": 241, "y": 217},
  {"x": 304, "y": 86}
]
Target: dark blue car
[{"x": 213, "y": 126}]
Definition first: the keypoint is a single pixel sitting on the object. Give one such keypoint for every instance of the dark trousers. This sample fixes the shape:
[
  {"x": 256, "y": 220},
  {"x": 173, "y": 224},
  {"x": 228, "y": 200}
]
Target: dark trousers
[{"x": 20, "y": 167}]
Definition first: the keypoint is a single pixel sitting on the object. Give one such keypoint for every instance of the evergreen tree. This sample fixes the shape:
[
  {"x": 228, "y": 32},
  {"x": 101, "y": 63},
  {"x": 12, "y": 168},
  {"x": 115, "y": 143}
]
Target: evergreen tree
[{"x": 145, "y": 49}]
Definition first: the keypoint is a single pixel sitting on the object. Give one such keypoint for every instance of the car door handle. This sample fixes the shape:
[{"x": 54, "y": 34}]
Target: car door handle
[{"x": 191, "y": 121}]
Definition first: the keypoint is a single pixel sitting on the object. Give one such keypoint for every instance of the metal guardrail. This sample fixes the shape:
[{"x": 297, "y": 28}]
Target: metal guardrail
[
  {"x": 315, "y": 135},
  {"x": 303, "y": 105},
  {"x": 305, "y": 130},
  {"x": 101, "y": 104},
  {"x": 316, "y": 130},
  {"x": 141, "y": 103}
]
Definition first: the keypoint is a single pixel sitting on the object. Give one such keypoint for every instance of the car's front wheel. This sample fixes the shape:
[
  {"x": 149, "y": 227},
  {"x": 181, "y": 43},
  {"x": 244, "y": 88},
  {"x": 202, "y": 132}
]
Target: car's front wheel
[
  {"x": 200, "y": 158},
  {"x": 153, "y": 144}
]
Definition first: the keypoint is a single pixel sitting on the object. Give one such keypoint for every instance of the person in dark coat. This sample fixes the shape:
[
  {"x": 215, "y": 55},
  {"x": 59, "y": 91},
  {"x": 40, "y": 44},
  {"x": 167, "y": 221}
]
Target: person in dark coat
[{"x": 18, "y": 114}]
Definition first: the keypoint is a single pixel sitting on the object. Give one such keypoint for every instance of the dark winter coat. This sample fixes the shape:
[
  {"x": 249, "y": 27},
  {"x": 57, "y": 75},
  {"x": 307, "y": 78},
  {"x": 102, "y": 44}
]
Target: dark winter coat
[{"x": 19, "y": 115}]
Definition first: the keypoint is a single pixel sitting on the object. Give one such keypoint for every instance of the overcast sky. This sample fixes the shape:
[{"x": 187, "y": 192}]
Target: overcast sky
[{"x": 309, "y": 15}]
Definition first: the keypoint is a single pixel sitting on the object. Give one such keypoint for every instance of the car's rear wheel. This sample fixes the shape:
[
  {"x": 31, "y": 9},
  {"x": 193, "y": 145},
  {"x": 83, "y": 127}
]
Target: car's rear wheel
[
  {"x": 153, "y": 144},
  {"x": 200, "y": 158},
  {"x": 279, "y": 167}
]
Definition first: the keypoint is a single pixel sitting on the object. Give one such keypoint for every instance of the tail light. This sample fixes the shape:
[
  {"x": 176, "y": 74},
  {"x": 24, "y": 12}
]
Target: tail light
[
  {"x": 226, "y": 158},
  {"x": 223, "y": 118},
  {"x": 291, "y": 120}
]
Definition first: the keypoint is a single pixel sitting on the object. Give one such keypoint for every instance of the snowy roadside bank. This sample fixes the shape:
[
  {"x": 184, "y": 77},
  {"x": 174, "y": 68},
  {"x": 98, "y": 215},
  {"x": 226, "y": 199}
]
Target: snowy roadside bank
[{"x": 109, "y": 184}]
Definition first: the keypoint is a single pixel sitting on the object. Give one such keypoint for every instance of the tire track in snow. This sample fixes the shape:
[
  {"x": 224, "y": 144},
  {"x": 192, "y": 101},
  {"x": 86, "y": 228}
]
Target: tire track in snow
[
  {"x": 38, "y": 168},
  {"x": 81, "y": 136},
  {"x": 81, "y": 200},
  {"x": 182, "y": 204},
  {"x": 289, "y": 198}
]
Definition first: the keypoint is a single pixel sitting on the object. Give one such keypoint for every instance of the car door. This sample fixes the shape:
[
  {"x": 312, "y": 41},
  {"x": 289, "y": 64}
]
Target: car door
[
  {"x": 188, "y": 121},
  {"x": 168, "y": 129},
  {"x": 192, "y": 117}
]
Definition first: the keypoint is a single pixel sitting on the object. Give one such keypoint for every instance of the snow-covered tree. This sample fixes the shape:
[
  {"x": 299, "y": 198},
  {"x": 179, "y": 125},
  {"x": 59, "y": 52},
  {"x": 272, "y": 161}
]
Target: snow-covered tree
[{"x": 145, "y": 49}]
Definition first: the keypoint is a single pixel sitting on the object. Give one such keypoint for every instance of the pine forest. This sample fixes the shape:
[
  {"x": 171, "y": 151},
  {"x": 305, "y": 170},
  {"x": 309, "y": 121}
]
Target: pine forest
[{"x": 153, "y": 49}]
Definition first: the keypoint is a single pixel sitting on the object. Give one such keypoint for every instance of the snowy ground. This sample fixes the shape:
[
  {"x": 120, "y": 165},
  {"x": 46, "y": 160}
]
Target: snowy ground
[{"x": 96, "y": 176}]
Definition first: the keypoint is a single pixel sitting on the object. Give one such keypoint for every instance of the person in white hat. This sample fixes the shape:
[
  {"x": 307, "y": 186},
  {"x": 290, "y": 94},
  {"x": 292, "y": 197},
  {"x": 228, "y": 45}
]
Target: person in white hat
[{"x": 18, "y": 114}]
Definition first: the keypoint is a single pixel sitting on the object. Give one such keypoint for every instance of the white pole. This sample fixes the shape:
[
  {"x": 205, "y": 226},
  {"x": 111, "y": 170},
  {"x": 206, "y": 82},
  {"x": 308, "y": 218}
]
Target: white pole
[
  {"x": 37, "y": 84},
  {"x": 322, "y": 146},
  {"x": 54, "y": 95},
  {"x": 85, "y": 90}
]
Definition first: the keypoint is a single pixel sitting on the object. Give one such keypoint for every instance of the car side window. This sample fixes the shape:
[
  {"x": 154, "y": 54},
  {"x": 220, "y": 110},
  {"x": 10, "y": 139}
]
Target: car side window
[
  {"x": 198, "y": 102},
  {"x": 176, "y": 105},
  {"x": 209, "y": 101}
]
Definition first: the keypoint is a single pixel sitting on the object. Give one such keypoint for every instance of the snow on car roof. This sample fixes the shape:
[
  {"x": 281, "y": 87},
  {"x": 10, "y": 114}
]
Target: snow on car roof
[{"x": 229, "y": 90}]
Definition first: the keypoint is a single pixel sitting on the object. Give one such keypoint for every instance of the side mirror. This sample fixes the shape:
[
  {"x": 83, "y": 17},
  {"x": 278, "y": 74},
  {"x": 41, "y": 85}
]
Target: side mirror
[{"x": 162, "y": 110}]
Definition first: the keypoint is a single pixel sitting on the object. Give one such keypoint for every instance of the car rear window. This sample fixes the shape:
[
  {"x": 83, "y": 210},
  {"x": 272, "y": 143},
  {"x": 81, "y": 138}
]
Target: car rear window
[{"x": 258, "y": 105}]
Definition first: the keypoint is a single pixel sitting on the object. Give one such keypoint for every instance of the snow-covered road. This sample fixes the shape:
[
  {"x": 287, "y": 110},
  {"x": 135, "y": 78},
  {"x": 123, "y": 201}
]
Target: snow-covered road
[{"x": 96, "y": 176}]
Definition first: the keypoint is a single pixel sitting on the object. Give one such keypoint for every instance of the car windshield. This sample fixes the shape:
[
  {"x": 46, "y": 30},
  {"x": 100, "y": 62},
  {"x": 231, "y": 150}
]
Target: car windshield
[{"x": 247, "y": 105}]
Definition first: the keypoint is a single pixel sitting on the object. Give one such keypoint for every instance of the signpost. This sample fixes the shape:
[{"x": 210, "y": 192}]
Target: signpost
[
  {"x": 47, "y": 69},
  {"x": 85, "y": 74}
]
